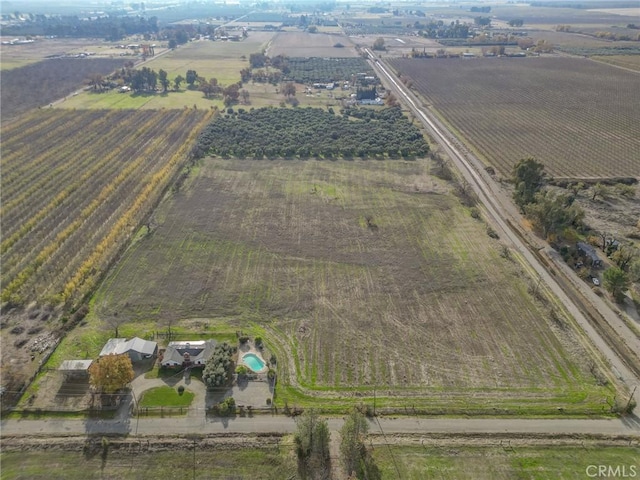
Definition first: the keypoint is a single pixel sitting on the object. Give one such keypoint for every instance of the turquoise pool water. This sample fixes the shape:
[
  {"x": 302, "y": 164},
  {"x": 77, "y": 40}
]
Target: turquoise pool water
[{"x": 254, "y": 362}]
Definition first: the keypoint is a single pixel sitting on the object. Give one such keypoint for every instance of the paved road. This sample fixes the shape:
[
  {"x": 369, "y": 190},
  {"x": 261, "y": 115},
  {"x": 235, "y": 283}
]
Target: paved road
[{"x": 282, "y": 424}]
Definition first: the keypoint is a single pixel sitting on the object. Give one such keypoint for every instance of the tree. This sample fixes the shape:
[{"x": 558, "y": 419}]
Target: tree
[
  {"x": 216, "y": 372},
  {"x": 391, "y": 100},
  {"x": 352, "y": 449},
  {"x": 576, "y": 188},
  {"x": 616, "y": 281},
  {"x": 551, "y": 213},
  {"x": 95, "y": 80},
  {"x": 543, "y": 47},
  {"x": 634, "y": 270},
  {"x": 379, "y": 44},
  {"x": 257, "y": 60},
  {"x": 289, "y": 89},
  {"x": 245, "y": 96},
  {"x": 192, "y": 76},
  {"x": 209, "y": 88},
  {"x": 599, "y": 190},
  {"x": 231, "y": 94},
  {"x": 623, "y": 256},
  {"x": 312, "y": 445},
  {"x": 164, "y": 81},
  {"x": 528, "y": 178},
  {"x": 114, "y": 320},
  {"x": 628, "y": 191},
  {"x": 177, "y": 81},
  {"x": 110, "y": 373}
]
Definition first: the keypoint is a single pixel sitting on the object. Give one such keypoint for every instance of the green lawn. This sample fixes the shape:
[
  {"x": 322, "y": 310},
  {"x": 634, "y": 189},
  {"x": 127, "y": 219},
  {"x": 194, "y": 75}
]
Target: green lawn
[{"x": 166, "y": 397}]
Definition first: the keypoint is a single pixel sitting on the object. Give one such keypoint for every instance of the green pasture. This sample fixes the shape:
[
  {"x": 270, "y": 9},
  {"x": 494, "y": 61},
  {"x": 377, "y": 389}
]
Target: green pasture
[
  {"x": 419, "y": 312},
  {"x": 500, "y": 462}
]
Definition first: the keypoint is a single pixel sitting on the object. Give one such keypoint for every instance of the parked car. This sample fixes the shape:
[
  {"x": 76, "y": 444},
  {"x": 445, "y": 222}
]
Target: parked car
[{"x": 595, "y": 281}]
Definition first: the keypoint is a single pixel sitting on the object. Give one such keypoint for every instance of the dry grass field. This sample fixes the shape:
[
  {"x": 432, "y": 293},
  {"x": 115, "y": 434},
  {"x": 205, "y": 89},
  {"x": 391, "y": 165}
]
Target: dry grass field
[
  {"x": 302, "y": 44},
  {"x": 577, "y": 117},
  {"x": 14, "y": 56},
  {"x": 631, "y": 62},
  {"x": 417, "y": 302}
]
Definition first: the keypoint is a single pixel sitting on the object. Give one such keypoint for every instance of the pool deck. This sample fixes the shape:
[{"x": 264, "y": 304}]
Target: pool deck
[{"x": 247, "y": 348}]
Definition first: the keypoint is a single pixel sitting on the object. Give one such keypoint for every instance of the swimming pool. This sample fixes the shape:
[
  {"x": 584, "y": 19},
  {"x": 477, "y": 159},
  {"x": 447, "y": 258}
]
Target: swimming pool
[{"x": 254, "y": 362}]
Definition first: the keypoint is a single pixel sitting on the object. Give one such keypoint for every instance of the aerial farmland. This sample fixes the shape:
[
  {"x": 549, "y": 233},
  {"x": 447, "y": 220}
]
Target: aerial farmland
[{"x": 289, "y": 184}]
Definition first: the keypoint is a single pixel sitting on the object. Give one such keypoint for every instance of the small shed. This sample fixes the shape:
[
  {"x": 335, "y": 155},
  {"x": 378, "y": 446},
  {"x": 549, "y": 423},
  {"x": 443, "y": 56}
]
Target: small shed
[{"x": 77, "y": 369}]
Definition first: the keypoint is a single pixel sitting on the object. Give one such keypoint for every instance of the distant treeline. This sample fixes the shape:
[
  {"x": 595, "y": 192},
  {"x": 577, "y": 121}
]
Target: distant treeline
[{"x": 111, "y": 28}]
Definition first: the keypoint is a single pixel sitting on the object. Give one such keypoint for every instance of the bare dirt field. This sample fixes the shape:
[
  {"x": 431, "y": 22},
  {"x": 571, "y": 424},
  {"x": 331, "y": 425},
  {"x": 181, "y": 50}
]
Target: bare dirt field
[
  {"x": 302, "y": 44},
  {"x": 358, "y": 274},
  {"x": 576, "y": 116}
]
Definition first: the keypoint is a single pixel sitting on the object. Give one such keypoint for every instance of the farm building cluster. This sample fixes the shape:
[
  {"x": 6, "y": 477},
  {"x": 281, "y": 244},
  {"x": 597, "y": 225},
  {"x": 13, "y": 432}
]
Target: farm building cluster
[{"x": 182, "y": 354}]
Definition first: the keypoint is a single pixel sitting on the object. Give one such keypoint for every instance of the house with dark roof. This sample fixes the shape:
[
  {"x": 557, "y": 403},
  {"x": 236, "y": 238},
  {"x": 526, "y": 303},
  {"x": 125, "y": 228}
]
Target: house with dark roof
[
  {"x": 188, "y": 354},
  {"x": 137, "y": 348}
]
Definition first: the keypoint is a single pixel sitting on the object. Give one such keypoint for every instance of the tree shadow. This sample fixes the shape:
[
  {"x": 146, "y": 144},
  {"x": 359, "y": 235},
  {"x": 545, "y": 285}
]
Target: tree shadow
[{"x": 631, "y": 421}]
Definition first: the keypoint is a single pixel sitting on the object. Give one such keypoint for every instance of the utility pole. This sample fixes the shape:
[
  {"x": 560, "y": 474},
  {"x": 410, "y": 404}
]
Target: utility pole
[
  {"x": 194, "y": 459},
  {"x": 374, "y": 400}
]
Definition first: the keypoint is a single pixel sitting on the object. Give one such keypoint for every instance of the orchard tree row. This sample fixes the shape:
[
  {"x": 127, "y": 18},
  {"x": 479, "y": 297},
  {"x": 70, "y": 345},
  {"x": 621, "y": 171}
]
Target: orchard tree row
[{"x": 312, "y": 133}]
